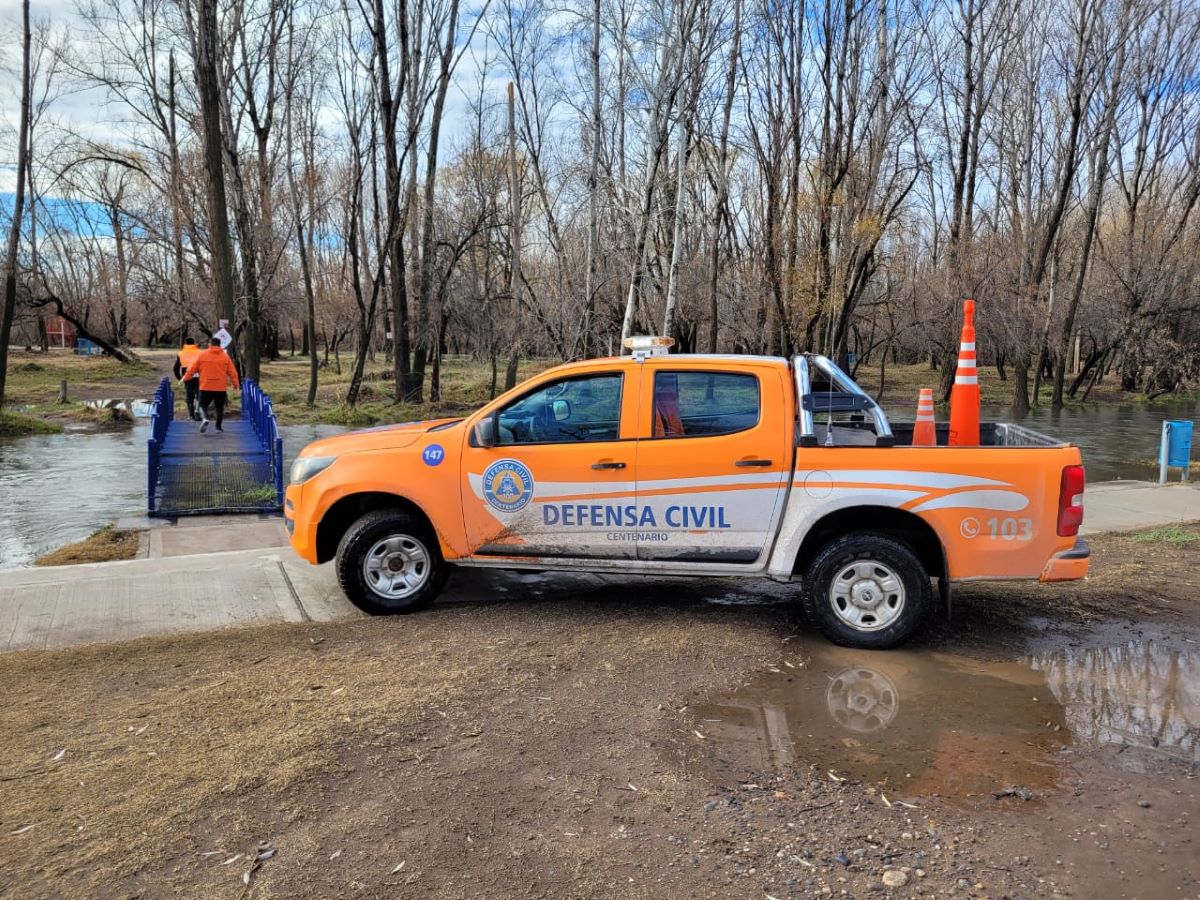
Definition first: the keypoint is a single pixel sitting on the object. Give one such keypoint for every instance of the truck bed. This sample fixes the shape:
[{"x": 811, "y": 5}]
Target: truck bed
[{"x": 991, "y": 434}]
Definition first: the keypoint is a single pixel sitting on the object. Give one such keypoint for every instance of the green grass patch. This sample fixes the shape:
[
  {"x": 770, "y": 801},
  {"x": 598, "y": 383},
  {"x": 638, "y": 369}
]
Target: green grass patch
[
  {"x": 1168, "y": 534},
  {"x": 14, "y": 425},
  {"x": 264, "y": 493},
  {"x": 350, "y": 416}
]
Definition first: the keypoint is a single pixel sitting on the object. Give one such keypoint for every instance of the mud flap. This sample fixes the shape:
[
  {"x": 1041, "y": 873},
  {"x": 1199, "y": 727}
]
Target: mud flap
[{"x": 944, "y": 589}]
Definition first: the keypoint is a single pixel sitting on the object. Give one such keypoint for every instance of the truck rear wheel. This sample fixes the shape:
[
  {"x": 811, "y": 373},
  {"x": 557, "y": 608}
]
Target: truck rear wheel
[
  {"x": 389, "y": 562},
  {"x": 866, "y": 590}
]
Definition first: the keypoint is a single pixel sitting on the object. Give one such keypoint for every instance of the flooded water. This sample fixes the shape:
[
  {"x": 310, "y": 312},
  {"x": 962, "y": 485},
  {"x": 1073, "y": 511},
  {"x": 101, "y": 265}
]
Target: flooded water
[
  {"x": 59, "y": 488},
  {"x": 1116, "y": 441},
  {"x": 923, "y": 723}
]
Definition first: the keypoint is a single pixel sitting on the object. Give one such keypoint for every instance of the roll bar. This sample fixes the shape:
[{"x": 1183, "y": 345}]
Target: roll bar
[{"x": 852, "y": 398}]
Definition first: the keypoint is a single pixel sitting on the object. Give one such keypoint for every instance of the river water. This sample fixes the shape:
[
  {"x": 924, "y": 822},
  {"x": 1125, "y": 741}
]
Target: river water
[
  {"x": 59, "y": 488},
  {"x": 55, "y": 489}
]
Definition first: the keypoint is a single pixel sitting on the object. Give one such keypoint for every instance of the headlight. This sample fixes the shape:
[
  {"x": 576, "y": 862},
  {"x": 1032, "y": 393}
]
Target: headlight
[{"x": 305, "y": 467}]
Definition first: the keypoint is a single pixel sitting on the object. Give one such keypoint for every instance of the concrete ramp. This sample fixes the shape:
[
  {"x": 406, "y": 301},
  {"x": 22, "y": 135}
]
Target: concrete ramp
[{"x": 61, "y": 607}]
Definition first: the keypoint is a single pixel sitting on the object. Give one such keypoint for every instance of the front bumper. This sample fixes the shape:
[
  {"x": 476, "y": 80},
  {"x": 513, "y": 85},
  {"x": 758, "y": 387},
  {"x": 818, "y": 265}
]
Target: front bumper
[
  {"x": 301, "y": 532},
  {"x": 1068, "y": 565}
]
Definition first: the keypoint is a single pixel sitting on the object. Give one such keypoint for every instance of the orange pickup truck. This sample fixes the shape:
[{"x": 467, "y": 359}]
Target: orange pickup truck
[{"x": 711, "y": 466}]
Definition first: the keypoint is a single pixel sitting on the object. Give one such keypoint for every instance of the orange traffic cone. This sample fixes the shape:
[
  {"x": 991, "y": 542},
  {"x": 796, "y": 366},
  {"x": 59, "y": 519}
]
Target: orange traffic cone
[
  {"x": 964, "y": 396},
  {"x": 925, "y": 431}
]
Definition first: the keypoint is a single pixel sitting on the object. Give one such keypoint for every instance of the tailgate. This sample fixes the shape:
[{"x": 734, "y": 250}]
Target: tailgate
[{"x": 1006, "y": 526}]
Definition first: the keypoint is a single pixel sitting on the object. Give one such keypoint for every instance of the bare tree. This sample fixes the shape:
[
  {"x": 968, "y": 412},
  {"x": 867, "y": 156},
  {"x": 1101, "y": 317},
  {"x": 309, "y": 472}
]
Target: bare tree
[{"x": 8, "y": 312}]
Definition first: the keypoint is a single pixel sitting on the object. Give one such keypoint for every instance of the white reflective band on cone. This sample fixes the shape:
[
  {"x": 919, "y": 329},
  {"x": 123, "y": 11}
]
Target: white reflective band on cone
[
  {"x": 967, "y": 346},
  {"x": 966, "y": 379}
]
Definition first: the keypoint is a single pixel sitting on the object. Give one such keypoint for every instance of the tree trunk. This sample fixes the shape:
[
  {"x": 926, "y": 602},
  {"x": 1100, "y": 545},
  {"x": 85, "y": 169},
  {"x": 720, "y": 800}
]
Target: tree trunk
[
  {"x": 428, "y": 243},
  {"x": 9, "y": 310},
  {"x": 721, "y": 211},
  {"x": 514, "y": 244},
  {"x": 209, "y": 91},
  {"x": 685, "y": 134},
  {"x": 593, "y": 188}
]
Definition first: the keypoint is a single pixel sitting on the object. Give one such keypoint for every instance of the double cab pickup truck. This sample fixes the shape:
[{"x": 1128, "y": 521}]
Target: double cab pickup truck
[{"x": 693, "y": 465}]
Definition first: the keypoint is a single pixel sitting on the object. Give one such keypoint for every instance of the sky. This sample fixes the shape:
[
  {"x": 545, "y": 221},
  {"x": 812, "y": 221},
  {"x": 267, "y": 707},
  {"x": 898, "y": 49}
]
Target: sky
[{"x": 91, "y": 114}]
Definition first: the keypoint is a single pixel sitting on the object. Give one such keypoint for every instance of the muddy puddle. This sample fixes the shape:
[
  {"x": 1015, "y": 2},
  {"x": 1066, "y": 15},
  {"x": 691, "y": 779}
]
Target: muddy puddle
[{"x": 924, "y": 723}]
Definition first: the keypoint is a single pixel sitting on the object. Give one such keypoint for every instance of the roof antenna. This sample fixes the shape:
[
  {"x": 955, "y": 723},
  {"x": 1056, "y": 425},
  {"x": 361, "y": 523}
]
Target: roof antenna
[{"x": 829, "y": 412}]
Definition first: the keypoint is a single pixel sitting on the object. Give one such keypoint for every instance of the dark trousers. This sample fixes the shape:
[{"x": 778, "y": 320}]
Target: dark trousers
[
  {"x": 214, "y": 398},
  {"x": 191, "y": 390}
]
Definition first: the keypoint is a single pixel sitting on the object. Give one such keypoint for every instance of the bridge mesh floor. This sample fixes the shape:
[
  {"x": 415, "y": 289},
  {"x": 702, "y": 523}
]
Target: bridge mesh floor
[{"x": 226, "y": 471}]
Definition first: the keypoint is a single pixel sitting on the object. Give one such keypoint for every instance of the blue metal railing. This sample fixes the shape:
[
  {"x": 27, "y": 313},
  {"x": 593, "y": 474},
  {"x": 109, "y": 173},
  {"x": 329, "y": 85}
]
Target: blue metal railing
[
  {"x": 162, "y": 411},
  {"x": 258, "y": 410}
]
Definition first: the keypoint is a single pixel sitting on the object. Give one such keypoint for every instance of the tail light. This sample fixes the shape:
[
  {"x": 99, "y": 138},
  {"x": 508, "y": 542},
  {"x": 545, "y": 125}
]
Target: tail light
[{"x": 1070, "y": 501}]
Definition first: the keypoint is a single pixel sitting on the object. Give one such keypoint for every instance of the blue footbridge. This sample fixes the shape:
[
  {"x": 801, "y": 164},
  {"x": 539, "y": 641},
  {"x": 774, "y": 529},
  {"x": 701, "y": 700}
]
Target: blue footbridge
[{"x": 239, "y": 469}]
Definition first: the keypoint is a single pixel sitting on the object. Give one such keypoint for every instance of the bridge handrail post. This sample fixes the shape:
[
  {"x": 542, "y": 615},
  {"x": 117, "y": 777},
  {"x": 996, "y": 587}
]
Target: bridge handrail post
[
  {"x": 162, "y": 412},
  {"x": 151, "y": 474},
  {"x": 278, "y": 470}
]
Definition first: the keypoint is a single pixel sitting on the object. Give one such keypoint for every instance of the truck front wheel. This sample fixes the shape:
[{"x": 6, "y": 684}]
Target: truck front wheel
[
  {"x": 866, "y": 590},
  {"x": 389, "y": 562}
]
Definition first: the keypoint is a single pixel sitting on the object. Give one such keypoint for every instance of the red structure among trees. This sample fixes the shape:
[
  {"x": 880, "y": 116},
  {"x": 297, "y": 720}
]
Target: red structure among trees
[{"x": 59, "y": 332}]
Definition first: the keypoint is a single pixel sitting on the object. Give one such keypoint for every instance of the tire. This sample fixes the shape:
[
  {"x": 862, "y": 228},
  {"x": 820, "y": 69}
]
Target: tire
[
  {"x": 866, "y": 590},
  {"x": 389, "y": 562}
]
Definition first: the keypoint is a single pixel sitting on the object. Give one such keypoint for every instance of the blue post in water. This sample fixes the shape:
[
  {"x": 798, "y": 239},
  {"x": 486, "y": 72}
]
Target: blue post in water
[{"x": 1175, "y": 448}]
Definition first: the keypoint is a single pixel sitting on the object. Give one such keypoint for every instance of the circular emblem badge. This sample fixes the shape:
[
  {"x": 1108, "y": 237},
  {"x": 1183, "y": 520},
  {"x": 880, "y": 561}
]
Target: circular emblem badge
[
  {"x": 433, "y": 455},
  {"x": 507, "y": 485}
]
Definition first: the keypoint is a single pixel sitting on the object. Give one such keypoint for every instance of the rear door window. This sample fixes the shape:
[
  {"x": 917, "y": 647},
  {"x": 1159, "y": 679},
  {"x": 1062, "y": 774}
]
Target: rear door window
[{"x": 704, "y": 404}]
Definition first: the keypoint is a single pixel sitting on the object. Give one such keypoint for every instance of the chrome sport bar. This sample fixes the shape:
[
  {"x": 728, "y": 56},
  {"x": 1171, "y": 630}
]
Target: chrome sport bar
[{"x": 847, "y": 385}]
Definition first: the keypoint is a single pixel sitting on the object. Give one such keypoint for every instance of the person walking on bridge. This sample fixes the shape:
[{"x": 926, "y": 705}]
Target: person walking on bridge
[
  {"x": 213, "y": 367},
  {"x": 187, "y": 355}
]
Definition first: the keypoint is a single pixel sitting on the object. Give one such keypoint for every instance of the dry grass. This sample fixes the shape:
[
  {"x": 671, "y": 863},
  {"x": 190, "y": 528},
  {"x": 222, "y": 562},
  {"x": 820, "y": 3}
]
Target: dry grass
[
  {"x": 161, "y": 733},
  {"x": 465, "y": 386},
  {"x": 106, "y": 545},
  {"x": 903, "y": 383},
  {"x": 176, "y": 746},
  {"x": 33, "y": 378}
]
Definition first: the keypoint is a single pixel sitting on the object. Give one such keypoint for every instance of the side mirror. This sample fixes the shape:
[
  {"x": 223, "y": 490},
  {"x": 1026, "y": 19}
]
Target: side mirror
[
  {"x": 561, "y": 410},
  {"x": 485, "y": 432}
]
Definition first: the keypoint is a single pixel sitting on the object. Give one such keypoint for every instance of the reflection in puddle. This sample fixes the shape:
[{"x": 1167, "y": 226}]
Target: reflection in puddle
[
  {"x": 130, "y": 409},
  {"x": 1139, "y": 694},
  {"x": 928, "y": 723}
]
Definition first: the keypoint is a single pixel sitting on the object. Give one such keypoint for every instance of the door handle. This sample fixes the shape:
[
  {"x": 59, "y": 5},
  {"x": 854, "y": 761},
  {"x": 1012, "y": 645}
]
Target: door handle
[
  {"x": 608, "y": 465},
  {"x": 752, "y": 463}
]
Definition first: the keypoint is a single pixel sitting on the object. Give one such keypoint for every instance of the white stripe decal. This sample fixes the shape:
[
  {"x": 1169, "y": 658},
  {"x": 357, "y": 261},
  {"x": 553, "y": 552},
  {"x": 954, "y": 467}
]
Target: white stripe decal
[
  {"x": 967, "y": 345},
  {"x": 966, "y": 379},
  {"x": 898, "y": 476},
  {"x": 1005, "y": 501},
  {"x": 587, "y": 488},
  {"x": 866, "y": 496},
  {"x": 711, "y": 481}
]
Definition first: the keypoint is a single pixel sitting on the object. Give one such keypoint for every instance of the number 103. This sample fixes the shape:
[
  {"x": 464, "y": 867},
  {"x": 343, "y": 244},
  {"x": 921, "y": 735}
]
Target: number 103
[{"x": 1010, "y": 529}]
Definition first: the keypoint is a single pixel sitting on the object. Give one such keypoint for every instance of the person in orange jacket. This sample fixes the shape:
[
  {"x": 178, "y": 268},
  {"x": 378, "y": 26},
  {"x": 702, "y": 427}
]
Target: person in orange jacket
[
  {"x": 187, "y": 355},
  {"x": 213, "y": 367}
]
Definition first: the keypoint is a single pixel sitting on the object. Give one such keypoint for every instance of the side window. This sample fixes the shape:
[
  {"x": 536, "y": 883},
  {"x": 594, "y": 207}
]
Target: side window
[
  {"x": 702, "y": 404},
  {"x": 571, "y": 410}
]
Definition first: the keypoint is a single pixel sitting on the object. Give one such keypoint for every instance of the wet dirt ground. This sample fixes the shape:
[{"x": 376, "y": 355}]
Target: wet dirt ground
[{"x": 586, "y": 737}]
